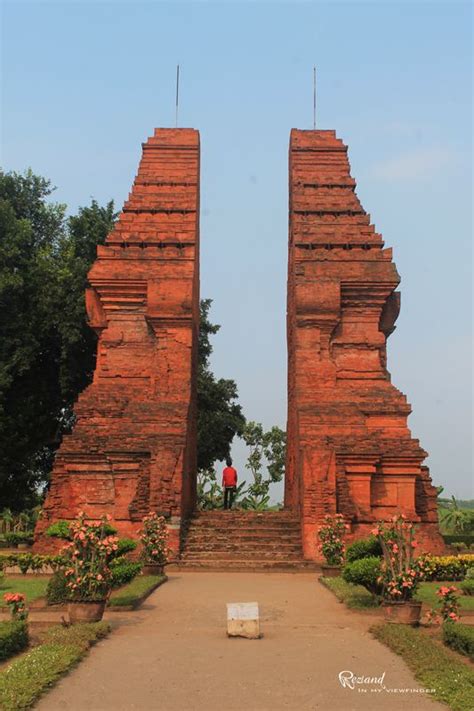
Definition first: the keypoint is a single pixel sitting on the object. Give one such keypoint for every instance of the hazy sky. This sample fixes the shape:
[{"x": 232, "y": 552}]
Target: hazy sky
[{"x": 84, "y": 83}]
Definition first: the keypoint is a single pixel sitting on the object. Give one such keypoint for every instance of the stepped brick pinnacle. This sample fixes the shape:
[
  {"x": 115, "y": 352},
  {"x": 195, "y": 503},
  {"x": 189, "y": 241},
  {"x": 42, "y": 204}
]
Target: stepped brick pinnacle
[
  {"x": 349, "y": 446},
  {"x": 133, "y": 446}
]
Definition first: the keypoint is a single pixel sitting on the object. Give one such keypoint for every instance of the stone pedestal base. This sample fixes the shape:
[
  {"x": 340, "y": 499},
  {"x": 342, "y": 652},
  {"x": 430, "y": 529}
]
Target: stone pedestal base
[{"x": 243, "y": 620}]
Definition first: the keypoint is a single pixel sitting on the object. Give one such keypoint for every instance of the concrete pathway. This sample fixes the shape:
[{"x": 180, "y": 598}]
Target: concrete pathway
[{"x": 174, "y": 655}]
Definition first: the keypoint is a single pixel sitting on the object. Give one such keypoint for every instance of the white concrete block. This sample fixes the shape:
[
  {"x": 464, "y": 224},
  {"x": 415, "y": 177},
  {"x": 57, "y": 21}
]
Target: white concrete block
[{"x": 243, "y": 620}]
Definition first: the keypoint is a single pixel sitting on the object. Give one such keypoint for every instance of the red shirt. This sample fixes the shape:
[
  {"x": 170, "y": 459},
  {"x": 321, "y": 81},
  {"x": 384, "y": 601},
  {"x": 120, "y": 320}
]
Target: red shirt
[{"x": 229, "y": 476}]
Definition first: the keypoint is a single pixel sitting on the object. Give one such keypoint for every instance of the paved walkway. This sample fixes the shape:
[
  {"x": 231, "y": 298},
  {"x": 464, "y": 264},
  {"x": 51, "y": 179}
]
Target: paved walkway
[{"x": 174, "y": 655}]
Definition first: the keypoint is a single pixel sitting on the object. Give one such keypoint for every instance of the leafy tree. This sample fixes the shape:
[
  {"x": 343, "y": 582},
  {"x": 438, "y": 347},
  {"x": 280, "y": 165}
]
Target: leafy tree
[
  {"x": 220, "y": 418},
  {"x": 46, "y": 350},
  {"x": 266, "y": 449}
]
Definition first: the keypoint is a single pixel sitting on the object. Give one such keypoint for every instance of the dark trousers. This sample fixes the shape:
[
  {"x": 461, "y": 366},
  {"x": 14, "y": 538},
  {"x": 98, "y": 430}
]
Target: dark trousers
[{"x": 229, "y": 492}]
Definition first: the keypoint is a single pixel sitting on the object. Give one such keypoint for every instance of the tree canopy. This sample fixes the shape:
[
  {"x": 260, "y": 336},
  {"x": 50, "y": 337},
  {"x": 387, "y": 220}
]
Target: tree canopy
[
  {"x": 220, "y": 417},
  {"x": 47, "y": 352}
]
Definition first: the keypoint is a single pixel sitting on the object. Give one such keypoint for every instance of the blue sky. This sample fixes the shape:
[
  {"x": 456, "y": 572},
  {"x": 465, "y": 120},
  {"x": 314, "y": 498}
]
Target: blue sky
[{"x": 84, "y": 83}]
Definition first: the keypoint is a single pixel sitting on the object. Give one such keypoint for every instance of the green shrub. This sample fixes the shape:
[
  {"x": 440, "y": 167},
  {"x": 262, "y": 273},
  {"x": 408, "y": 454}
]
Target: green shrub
[
  {"x": 14, "y": 538},
  {"x": 448, "y": 567},
  {"x": 56, "y": 592},
  {"x": 459, "y": 637},
  {"x": 60, "y": 529},
  {"x": 123, "y": 571},
  {"x": 125, "y": 545},
  {"x": 365, "y": 548},
  {"x": 365, "y": 572},
  {"x": 467, "y": 538},
  {"x": 13, "y": 638}
]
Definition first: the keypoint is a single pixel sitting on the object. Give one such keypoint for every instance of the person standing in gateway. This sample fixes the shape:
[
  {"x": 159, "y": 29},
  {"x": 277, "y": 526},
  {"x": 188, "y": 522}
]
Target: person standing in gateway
[{"x": 229, "y": 482}]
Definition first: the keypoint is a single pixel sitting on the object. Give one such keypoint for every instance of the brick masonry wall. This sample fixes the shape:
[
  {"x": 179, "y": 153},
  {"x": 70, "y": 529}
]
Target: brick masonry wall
[
  {"x": 133, "y": 446},
  {"x": 349, "y": 446}
]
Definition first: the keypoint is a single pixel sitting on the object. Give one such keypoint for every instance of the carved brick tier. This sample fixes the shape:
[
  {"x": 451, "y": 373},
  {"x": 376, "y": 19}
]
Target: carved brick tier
[
  {"x": 133, "y": 447},
  {"x": 349, "y": 446}
]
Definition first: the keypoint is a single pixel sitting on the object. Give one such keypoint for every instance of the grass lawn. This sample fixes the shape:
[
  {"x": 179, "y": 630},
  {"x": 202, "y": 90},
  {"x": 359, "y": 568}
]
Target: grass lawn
[
  {"x": 30, "y": 675},
  {"x": 31, "y": 587},
  {"x": 435, "y": 667},
  {"x": 357, "y": 597},
  {"x": 354, "y": 596},
  {"x": 427, "y": 594},
  {"x": 132, "y": 593}
]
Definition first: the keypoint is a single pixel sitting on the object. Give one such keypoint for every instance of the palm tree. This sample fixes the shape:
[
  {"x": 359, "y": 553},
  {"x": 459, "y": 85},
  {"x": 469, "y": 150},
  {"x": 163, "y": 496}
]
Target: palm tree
[{"x": 456, "y": 519}]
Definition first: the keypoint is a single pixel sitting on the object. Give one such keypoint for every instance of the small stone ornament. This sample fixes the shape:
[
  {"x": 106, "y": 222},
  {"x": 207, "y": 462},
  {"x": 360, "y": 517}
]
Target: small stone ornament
[{"x": 243, "y": 620}]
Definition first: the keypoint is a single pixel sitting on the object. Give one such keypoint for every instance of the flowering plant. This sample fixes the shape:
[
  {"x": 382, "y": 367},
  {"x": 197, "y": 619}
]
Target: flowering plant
[
  {"x": 154, "y": 537},
  {"x": 16, "y": 603},
  {"x": 87, "y": 557},
  {"x": 401, "y": 574},
  {"x": 330, "y": 534},
  {"x": 449, "y": 603}
]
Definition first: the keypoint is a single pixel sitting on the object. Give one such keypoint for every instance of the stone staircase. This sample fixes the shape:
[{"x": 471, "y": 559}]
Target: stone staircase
[{"x": 242, "y": 541}]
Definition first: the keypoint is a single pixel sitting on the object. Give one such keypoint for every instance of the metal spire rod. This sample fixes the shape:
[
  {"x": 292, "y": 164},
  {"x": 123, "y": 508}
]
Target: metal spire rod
[
  {"x": 314, "y": 98},
  {"x": 177, "y": 93}
]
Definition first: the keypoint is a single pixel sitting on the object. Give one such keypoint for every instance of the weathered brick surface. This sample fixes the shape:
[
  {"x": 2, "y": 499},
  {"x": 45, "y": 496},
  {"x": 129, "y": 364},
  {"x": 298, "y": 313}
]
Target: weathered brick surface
[
  {"x": 349, "y": 446},
  {"x": 133, "y": 447}
]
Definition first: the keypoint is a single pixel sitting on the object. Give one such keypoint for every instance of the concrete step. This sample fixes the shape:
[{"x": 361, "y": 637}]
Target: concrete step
[
  {"x": 257, "y": 529},
  {"x": 236, "y": 565},
  {"x": 241, "y": 555},
  {"x": 261, "y": 537},
  {"x": 249, "y": 548}
]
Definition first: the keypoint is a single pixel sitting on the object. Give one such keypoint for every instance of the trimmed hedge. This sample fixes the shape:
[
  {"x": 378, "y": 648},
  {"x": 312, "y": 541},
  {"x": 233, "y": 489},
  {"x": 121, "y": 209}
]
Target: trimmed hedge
[
  {"x": 459, "y": 637},
  {"x": 448, "y": 567},
  {"x": 13, "y": 638},
  {"x": 132, "y": 594},
  {"x": 364, "y": 548},
  {"x": 123, "y": 572},
  {"x": 450, "y": 538},
  {"x": 364, "y": 572},
  {"x": 31, "y": 561},
  {"x": 14, "y": 538}
]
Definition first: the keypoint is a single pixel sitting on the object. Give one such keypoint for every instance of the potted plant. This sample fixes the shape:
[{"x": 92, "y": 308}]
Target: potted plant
[
  {"x": 400, "y": 573},
  {"x": 331, "y": 545},
  {"x": 154, "y": 538},
  {"x": 87, "y": 557}
]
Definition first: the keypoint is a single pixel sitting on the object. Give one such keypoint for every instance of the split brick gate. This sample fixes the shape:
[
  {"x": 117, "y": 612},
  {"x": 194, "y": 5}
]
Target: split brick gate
[{"x": 133, "y": 446}]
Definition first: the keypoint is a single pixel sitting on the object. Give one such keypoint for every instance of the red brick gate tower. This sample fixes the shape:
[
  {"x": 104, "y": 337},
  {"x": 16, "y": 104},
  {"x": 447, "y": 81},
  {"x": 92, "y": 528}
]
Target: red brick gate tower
[
  {"x": 349, "y": 446},
  {"x": 133, "y": 447}
]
